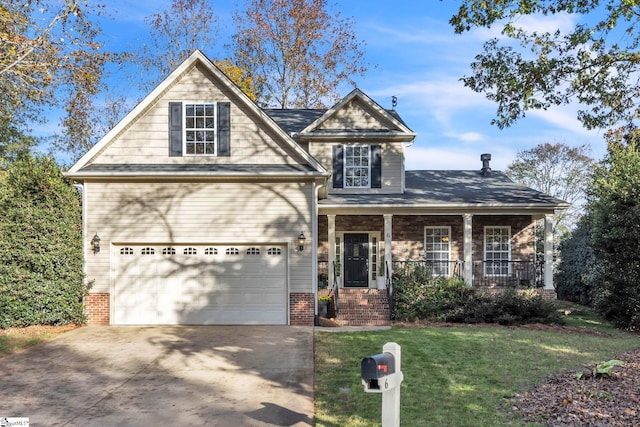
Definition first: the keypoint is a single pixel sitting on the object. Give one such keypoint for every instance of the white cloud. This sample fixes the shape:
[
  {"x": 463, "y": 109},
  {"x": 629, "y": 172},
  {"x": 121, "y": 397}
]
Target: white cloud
[
  {"x": 539, "y": 23},
  {"x": 454, "y": 158},
  {"x": 467, "y": 136}
]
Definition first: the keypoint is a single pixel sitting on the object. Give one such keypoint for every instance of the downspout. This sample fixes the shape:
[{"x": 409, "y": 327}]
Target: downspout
[
  {"x": 314, "y": 249},
  {"x": 80, "y": 189}
]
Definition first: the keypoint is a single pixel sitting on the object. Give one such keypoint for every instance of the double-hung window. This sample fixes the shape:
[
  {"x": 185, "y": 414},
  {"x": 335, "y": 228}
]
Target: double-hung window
[
  {"x": 199, "y": 129},
  {"x": 357, "y": 166},
  {"x": 437, "y": 249},
  {"x": 497, "y": 251}
]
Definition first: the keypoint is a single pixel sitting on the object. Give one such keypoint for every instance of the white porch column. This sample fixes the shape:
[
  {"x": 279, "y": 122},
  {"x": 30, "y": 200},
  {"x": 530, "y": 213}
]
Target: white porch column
[
  {"x": 388, "y": 224},
  {"x": 468, "y": 248},
  {"x": 548, "y": 252},
  {"x": 332, "y": 248}
]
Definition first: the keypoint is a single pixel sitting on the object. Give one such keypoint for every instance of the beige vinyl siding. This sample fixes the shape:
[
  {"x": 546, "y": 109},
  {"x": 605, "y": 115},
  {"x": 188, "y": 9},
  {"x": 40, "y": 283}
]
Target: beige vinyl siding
[
  {"x": 146, "y": 139},
  {"x": 356, "y": 116},
  {"x": 199, "y": 212},
  {"x": 392, "y": 166}
]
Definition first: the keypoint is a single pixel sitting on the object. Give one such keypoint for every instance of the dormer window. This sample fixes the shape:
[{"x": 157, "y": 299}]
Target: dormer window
[{"x": 357, "y": 166}]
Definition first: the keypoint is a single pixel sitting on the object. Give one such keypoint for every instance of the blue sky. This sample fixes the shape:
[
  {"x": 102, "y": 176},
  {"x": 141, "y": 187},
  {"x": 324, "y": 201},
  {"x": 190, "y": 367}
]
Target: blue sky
[{"x": 420, "y": 61}]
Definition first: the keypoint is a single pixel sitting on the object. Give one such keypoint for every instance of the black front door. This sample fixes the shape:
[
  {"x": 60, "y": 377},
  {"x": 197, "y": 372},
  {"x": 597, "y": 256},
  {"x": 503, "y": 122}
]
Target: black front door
[{"x": 356, "y": 260}]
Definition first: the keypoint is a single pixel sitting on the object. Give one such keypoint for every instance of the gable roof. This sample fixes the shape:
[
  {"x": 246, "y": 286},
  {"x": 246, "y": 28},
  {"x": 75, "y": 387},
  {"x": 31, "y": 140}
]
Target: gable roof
[
  {"x": 401, "y": 131},
  {"x": 196, "y": 58},
  {"x": 450, "y": 191}
]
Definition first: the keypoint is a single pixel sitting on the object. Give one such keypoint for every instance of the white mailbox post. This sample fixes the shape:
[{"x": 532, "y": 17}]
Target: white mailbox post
[{"x": 381, "y": 373}]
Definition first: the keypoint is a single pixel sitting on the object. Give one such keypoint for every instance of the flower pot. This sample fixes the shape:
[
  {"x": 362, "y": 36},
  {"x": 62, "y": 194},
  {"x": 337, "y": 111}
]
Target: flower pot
[{"x": 322, "y": 308}]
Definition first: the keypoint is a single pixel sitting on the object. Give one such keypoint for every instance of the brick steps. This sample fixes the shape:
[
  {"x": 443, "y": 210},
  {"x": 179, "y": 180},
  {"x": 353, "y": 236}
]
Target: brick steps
[{"x": 363, "y": 307}]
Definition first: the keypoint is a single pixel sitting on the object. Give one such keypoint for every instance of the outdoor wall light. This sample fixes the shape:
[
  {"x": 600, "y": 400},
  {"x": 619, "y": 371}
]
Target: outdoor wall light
[
  {"x": 301, "y": 240},
  {"x": 95, "y": 244}
]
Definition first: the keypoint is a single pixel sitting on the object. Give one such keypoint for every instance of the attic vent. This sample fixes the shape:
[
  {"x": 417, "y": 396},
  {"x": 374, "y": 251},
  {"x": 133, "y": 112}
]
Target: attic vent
[{"x": 486, "y": 170}]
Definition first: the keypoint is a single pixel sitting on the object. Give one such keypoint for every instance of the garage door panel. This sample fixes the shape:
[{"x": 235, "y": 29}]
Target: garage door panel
[{"x": 200, "y": 284}]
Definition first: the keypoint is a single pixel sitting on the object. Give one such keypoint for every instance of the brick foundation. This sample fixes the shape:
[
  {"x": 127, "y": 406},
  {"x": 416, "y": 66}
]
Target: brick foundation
[
  {"x": 302, "y": 307},
  {"x": 96, "y": 308}
]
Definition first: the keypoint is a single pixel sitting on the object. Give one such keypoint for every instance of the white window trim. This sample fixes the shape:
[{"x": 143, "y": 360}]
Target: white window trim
[
  {"x": 484, "y": 252},
  {"x": 184, "y": 128},
  {"x": 344, "y": 166},
  {"x": 435, "y": 227}
]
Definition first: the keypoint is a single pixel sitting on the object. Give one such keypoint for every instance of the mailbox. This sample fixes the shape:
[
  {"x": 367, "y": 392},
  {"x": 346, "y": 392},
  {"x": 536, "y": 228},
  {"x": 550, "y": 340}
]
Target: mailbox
[{"x": 377, "y": 366}]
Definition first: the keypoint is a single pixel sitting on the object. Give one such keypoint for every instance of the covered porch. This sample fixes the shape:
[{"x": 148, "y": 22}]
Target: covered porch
[
  {"x": 483, "y": 250},
  {"x": 357, "y": 255}
]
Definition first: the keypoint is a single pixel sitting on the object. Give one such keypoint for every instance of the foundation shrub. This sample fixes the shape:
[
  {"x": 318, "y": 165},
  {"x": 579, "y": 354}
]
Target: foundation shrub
[{"x": 420, "y": 296}]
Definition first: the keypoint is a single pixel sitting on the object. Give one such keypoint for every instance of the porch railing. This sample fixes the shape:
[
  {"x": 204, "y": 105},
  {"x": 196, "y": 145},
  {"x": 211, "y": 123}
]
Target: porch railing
[
  {"x": 437, "y": 268},
  {"x": 486, "y": 273},
  {"x": 528, "y": 274}
]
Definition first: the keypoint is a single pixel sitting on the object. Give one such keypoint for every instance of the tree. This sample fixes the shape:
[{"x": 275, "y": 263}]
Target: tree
[
  {"x": 559, "y": 170},
  {"x": 50, "y": 56},
  {"x": 614, "y": 207},
  {"x": 596, "y": 63},
  {"x": 175, "y": 33},
  {"x": 575, "y": 276},
  {"x": 296, "y": 51},
  {"x": 41, "y": 277}
]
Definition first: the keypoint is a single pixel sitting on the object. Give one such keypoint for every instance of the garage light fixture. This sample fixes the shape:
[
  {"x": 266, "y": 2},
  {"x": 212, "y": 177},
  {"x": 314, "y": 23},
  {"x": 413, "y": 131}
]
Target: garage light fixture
[
  {"x": 301, "y": 240},
  {"x": 95, "y": 244}
]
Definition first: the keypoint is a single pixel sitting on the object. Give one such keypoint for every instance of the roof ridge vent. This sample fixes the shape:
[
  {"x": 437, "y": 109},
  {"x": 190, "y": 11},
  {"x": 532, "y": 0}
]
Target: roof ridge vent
[{"x": 486, "y": 170}]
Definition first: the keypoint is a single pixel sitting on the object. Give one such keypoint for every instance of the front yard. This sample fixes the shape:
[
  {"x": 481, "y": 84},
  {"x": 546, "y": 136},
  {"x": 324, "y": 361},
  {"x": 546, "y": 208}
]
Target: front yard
[{"x": 479, "y": 375}]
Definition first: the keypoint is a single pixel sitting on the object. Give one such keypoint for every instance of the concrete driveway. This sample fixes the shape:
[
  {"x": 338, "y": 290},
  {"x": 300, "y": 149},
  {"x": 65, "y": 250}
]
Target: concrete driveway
[{"x": 157, "y": 376}]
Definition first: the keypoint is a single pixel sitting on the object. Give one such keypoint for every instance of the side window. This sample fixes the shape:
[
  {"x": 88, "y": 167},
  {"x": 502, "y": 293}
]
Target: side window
[{"x": 497, "y": 251}]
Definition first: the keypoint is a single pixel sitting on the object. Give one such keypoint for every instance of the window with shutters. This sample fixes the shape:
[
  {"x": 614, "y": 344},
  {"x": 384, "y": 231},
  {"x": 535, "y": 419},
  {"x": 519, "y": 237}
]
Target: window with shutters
[
  {"x": 357, "y": 166},
  {"x": 199, "y": 129}
]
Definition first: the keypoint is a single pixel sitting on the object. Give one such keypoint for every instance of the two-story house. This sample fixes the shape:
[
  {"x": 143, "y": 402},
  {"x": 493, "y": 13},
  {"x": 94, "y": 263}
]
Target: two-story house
[{"x": 199, "y": 207}]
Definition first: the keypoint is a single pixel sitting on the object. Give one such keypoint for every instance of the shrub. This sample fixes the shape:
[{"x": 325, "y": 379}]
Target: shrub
[
  {"x": 577, "y": 267},
  {"x": 41, "y": 279},
  {"x": 419, "y": 296}
]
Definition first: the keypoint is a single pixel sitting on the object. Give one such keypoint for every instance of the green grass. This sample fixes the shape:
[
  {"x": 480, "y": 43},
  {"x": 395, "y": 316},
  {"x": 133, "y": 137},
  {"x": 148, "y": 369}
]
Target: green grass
[
  {"x": 12, "y": 343},
  {"x": 454, "y": 376}
]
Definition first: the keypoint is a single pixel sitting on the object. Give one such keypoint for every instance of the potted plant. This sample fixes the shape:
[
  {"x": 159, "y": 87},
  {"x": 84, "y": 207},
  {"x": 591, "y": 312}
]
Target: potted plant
[
  {"x": 323, "y": 305},
  {"x": 323, "y": 280},
  {"x": 380, "y": 279}
]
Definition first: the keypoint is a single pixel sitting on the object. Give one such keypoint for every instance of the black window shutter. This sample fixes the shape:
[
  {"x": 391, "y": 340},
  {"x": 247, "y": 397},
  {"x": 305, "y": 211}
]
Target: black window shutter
[
  {"x": 175, "y": 129},
  {"x": 338, "y": 166},
  {"x": 376, "y": 166},
  {"x": 224, "y": 128}
]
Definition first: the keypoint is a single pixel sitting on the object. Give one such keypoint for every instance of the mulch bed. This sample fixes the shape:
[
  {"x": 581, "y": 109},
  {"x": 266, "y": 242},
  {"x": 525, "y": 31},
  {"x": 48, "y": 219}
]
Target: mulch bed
[{"x": 563, "y": 400}]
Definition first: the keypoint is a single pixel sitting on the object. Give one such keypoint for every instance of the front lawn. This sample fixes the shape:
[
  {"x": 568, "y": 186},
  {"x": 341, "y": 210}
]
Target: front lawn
[{"x": 458, "y": 375}]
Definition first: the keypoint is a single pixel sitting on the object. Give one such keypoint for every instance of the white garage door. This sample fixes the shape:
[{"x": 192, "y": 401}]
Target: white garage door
[{"x": 200, "y": 285}]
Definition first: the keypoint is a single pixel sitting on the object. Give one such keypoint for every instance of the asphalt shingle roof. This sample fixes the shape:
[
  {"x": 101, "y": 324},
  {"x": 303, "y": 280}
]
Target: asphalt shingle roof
[{"x": 451, "y": 188}]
